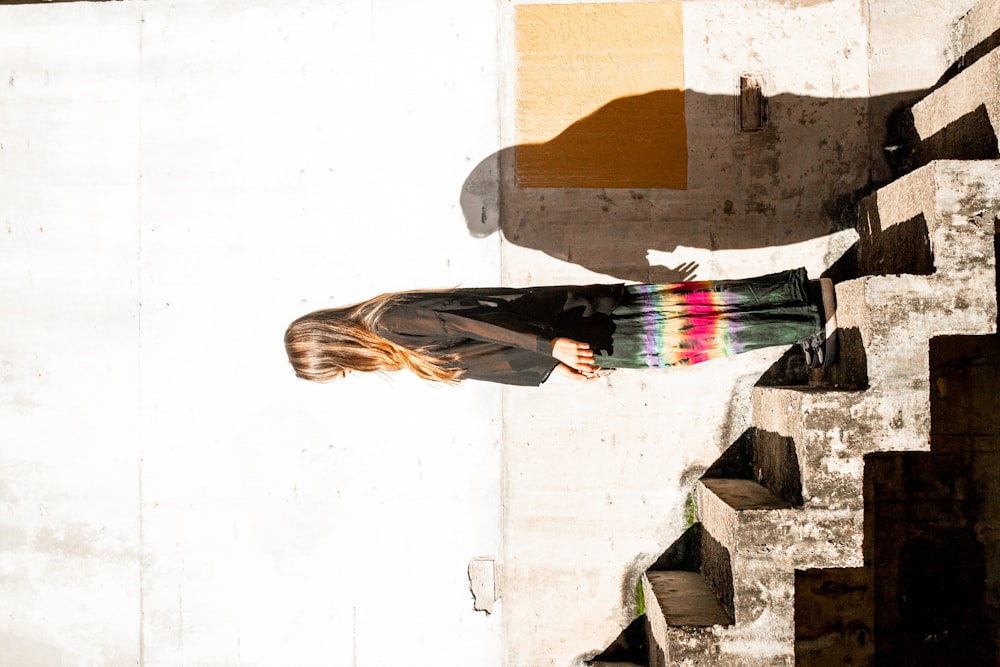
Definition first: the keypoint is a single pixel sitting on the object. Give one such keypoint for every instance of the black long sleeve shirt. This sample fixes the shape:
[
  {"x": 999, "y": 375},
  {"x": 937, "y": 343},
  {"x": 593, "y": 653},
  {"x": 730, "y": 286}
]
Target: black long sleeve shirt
[{"x": 503, "y": 334}]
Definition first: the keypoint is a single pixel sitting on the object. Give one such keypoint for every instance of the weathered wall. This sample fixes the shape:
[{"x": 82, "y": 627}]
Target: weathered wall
[
  {"x": 933, "y": 519},
  {"x": 597, "y": 475},
  {"x": 792, "y": 182},
  {"x": 177, "y": 182}
]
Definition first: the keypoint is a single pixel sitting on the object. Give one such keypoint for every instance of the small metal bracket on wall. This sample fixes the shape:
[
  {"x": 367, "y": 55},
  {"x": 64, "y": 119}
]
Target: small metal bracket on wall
[
  {"x": 483, "y": 583},
  {"x": 751, "y": 104}
]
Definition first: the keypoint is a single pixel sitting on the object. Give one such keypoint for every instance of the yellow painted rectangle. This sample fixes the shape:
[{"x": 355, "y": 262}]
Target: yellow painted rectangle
[{"x": 600, "y": 95}]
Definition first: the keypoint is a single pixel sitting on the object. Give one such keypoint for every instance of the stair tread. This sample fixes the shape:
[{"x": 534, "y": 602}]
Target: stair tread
[
  {"x": 978, "y": 26},
  {"x": 745, "y": 494},
  {"x": 686, "y": 600},
  {"x": 973, "y": 86}
]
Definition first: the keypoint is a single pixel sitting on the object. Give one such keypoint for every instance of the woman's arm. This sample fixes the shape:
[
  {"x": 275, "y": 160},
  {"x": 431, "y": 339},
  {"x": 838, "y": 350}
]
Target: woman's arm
[
  {"x": 576, "y": 356},
  {"x": 501, "y": 328},
  {"x": 570, "y": 357}
]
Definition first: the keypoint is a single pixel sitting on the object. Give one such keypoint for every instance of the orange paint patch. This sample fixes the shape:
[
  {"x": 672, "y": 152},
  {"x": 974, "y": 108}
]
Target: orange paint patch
[{"x": 600, "y": 96}]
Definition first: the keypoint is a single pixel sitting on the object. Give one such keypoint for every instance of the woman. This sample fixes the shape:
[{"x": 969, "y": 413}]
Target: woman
[{"x": 520, "y": 336}]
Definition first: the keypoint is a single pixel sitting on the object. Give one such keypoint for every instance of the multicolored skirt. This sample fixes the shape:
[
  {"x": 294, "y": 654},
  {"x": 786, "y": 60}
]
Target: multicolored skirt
[{"x": 658, "y": 326}]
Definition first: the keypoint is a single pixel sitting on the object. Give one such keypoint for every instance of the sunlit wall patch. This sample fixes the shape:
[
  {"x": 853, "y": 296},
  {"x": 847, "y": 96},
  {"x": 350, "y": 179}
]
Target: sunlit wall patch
[{"x": 600, "y": 96}]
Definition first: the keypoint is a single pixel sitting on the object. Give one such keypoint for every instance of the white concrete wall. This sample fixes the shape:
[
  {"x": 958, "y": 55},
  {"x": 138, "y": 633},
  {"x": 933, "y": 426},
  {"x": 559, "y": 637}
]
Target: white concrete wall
[{"x": 177, "y": 182}]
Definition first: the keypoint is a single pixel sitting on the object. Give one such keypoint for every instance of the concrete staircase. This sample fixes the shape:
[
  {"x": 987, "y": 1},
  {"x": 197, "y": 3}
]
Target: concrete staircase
[
  {"x": 798, "y": 502},
  {"x": 961, "y": 117},
  {"x": 782, "y": 566}
]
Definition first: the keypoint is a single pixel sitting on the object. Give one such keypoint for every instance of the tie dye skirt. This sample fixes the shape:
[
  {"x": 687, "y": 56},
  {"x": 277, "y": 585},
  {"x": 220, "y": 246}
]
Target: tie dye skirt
[{"x": 658, "y": 326}]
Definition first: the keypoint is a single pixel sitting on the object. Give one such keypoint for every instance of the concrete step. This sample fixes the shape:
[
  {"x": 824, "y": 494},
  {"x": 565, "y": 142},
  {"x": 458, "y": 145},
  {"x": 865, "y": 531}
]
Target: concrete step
[
  {"x": 876, "y": 398},
  {"x": 769, "y": 459},
  {"x": 684, "y": 619},
  {"x": 833, "y": 430},
  {"x": 927, "y": 250},
  {"x": 685, "y": 599},
  {"x": 976, "y": 34},
  {"x": 933, "y": 231},
  {"x": 740, "y": 495},
  {"x": 752, "y": 541},
  {"x": 892, "y": 321},
  {"x": 735, "y": 514},
  {"x": 937, "y": 220},
  {"x": 887, "y": 322},
  {"x": 743, "y": 519},
  {"x": 930, "y": 239},
  {"x": 961, "y": 118}
]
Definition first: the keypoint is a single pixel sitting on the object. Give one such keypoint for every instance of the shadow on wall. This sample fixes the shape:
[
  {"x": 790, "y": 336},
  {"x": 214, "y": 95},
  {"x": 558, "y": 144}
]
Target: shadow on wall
[{"x": 796, "y": 179}]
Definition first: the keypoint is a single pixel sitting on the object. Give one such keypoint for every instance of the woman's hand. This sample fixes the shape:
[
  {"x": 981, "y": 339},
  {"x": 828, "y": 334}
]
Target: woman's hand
[
  {"x": 578, "y": 357},
  {"x": 567, "y": 372}
]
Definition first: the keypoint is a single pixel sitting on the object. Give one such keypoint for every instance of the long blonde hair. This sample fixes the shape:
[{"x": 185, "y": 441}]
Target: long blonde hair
[{"x": 325, "y": 344}]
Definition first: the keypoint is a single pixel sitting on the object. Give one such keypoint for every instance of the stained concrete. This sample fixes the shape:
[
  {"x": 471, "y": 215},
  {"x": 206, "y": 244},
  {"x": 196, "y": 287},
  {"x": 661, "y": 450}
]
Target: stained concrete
[
  {"x": 597, "y": 476},
  {"x": 698, "y": 605},
  {"x": 794, "y": 578},
  {"x": 834, "y": 617},
  {"x": 929, "y": 524},
  {"x": 933, "y": 521},
  {"x": 178, "y": 498}
]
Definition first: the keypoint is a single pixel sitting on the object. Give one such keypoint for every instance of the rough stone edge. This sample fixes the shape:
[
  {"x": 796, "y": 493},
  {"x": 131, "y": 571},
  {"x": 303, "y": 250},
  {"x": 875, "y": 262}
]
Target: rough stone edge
[
  {"x": 972, "y": 29},
  {"x": 961, "y": 95}
]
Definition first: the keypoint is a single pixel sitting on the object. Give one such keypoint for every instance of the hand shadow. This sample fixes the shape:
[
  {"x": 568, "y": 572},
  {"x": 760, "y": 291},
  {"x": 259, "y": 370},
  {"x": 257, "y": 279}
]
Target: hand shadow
[{"x": 661, "y": 275}]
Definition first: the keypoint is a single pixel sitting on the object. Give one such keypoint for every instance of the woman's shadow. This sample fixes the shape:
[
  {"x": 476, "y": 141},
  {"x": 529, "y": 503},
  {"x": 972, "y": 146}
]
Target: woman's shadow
[{"x": 797, "y": 178}]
